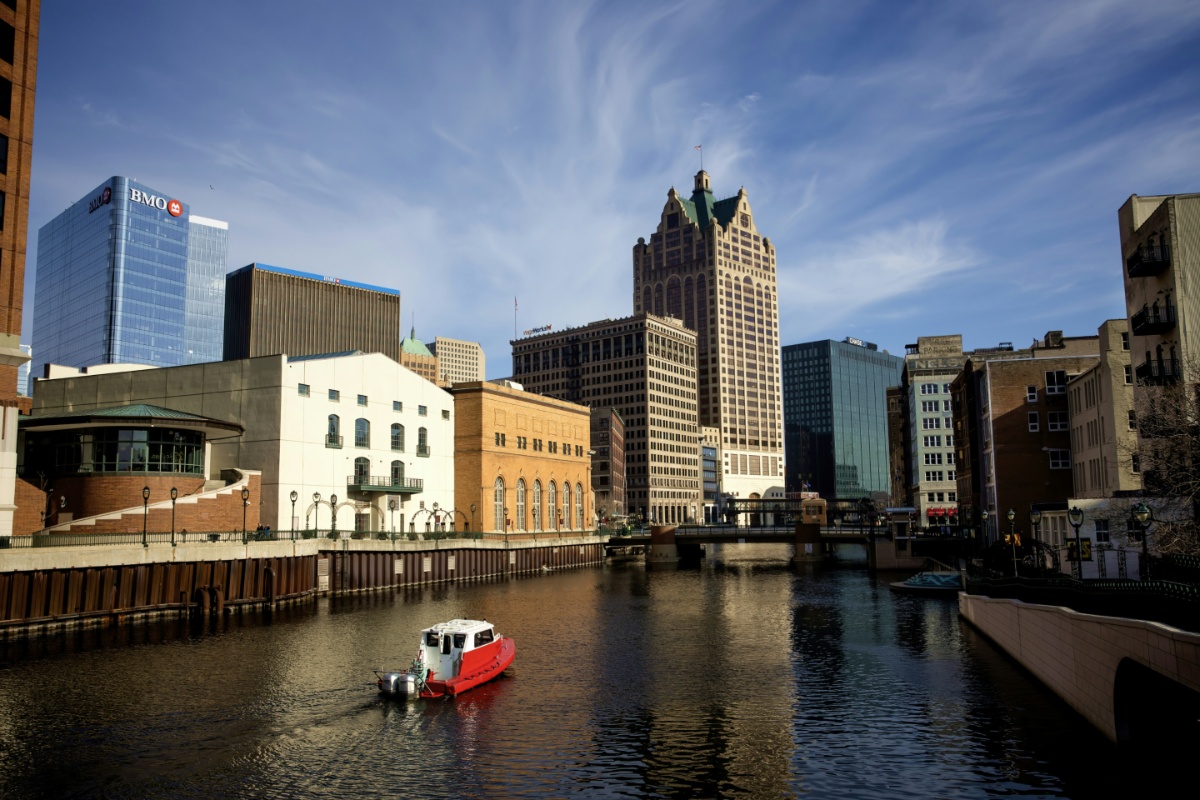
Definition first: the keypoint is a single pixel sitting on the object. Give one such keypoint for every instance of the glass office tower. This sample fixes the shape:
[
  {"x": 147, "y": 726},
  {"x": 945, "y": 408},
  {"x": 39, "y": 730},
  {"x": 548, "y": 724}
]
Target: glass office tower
[
  {"x": 128, "y": 275},
  {"x": 835, "y": 417}
]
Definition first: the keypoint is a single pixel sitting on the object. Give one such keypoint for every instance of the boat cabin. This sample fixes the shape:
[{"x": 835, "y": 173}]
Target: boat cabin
[{"x": 443, "y": 645}]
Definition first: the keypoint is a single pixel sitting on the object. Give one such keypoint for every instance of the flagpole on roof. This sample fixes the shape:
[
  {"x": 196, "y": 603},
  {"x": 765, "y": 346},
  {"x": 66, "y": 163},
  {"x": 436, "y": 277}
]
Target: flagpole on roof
[{"x": 700, "y": 147}]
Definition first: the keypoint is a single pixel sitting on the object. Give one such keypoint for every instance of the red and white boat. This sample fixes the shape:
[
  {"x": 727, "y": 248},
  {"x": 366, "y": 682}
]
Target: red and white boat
[{"x": 453, "y": 657}]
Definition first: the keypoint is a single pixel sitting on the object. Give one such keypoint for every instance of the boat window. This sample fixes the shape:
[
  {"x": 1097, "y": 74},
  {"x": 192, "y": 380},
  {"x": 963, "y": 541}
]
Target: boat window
[
  {"x": 483, "y": 637},
  {"x": 460, "y": 639},
  {"x": 431, "y": 639},
  {"x": 445, "y": 645}
]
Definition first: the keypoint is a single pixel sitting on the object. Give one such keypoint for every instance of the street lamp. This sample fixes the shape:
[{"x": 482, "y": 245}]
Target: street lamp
[
  {"x": 245, "y": 505},
  {"x": 316, "y": 508},
  {"x": 473, "y": 516},
  {"x": 145, "y": 508},
  {"x": 174, "y": 494},
  {"x": 294, "y": 497},
  {"x": 1035, "y": 519},
  {"x": 1075, "y": 517},
  {"x": 1012, "y": 539},
  {"x": 392, "y": 508},
  {"x": 333, "y": 516},
  {"x": 983, "y": 524},
  {"x": 437, "y": 519},
  {"x": 1143, "y": 515}
]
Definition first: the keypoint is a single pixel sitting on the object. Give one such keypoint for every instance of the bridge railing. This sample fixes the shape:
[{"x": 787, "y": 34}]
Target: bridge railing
[{"x": 1168, "y": 602}]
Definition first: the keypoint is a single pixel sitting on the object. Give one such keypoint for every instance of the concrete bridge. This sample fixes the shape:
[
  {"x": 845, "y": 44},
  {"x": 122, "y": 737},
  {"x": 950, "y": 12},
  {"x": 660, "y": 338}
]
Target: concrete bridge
[{"x": 1136, "y": 681}]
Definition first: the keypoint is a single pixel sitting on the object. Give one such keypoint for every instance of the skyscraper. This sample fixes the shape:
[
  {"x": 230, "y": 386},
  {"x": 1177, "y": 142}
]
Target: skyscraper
[
  {"x": 835, "y": 417},
  {"x": 128, "y": 275},
  {"x": 458, "y": 361},
  {"x": 708, "y": 265}
]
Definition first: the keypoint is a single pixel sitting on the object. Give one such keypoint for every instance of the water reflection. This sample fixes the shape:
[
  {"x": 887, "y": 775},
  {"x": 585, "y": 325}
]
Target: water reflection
[{"x": 742, "y": 678}]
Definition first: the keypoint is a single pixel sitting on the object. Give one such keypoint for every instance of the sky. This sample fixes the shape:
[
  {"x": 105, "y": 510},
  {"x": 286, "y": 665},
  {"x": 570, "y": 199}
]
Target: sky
[{"x": 923, "y": 168}]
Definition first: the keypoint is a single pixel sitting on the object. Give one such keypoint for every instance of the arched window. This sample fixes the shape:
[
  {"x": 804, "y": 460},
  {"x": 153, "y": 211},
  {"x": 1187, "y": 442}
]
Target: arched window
[
  {"x": 397, "y": 473},
  {"x": 362, "y": 470},
  {"x": 568, "y": 513},
  {"x": 520, "y": 519},
  {"x": 334, "y": 436},
  {"x": 646, "y": 299},
  {"x": 498, "y": 505},
  {"x": 537, "y": 505},
  {"x": 398, "y": 437},
  {"x": 553, "y": 497},
  {"x": 579, "y": 506},
  {"x": 422, "y": 442},
  {"x": 565, "y": 514},
  {"x": 658, "y": 300},
  {"x": 674, "y": 300},
  {"x": 362, "y": 433}
]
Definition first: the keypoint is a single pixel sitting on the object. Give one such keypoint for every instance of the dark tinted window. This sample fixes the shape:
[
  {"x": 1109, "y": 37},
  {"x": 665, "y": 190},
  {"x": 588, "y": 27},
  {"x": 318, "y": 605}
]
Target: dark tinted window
[
  {"x": 5, "y": 97},
  {"x": 3, "y": 154},
  {"x": 8, "y": 41}
]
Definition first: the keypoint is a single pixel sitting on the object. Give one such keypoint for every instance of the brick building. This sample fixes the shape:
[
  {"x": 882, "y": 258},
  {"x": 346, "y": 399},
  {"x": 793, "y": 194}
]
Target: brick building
[
  {"x": 608, "y": 462},
  {"x": 522, "y": 462}
]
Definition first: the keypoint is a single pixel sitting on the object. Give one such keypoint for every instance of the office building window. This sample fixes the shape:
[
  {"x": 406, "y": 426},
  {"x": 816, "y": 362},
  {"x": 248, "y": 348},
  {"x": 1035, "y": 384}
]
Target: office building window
[
  {"x": 1060, "y": 459},
  {"x": 1056, "y": 381},
  {"x": 422, "y": 411},
  {"x": 362, "y": 399},
  {"x": 397, "y": 405},
  {"x": 302, "y": 390},
  {"x": 1057, "y": 420},
  {"x": 362, "y": 433},
  {"x": 1030, "y": 394},
  {"x": 335, "y": 395},
  {"x": 1034, "y": 426},
  {"x": 398, "y": 437}
]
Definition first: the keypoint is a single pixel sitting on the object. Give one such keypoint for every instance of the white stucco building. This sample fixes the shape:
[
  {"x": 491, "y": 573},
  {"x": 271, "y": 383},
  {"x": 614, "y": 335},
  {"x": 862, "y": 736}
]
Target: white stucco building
[{"x": 357, "y": 426}]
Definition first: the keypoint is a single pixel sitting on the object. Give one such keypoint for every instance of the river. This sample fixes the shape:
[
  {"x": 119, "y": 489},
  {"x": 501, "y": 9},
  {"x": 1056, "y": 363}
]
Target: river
[{"x": 742, "y": 678}]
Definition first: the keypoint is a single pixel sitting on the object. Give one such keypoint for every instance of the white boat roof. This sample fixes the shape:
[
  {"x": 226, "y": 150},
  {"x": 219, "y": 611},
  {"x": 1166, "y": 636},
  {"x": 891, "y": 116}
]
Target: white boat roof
[{"x": 461, "y": 626}]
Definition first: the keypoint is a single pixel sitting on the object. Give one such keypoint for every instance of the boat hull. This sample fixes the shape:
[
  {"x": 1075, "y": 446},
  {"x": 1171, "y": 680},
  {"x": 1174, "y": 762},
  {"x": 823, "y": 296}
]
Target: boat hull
[{"x": 479, "y": 666}]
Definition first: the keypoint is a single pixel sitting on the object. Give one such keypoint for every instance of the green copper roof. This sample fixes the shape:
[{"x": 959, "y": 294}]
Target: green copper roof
[
  {"x": 413, "y": 346},
  {"x": 702, "y": 209},
  {"x": 138, "y": 410}
]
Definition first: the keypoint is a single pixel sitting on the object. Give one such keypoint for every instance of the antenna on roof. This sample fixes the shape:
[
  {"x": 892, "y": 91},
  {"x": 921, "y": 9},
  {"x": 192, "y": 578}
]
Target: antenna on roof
[{"x": 700, "y": 148}]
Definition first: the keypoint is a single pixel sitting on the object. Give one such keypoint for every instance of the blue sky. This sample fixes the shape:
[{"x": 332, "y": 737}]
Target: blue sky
[{"x": 923, "y": 168}]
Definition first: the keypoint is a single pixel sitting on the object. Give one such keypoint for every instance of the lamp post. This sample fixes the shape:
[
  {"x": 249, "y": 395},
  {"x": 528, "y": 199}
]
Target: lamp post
[
  {"x": 983, "y": 518},
  {"x": 392, "y": 508},
  {"x": 1035, "y": 519},
  {"x": 174, "y": 494},
  {"x": 437, "y": 517},
  {"x": 473, "y": 517},
  {"x": 1141, "y": 512},
  {"x": 145, "y": 508},
  {"x": 316, "y": 508},
  {"x": 1075, "y": 517},
  {"x": 245, "y": 506},
  {"x": 294, "y": 496},
  {"x": 506, "y": 526},
  {"x": 1012, "y": 539},
  {"x": 333, "y": 516}
]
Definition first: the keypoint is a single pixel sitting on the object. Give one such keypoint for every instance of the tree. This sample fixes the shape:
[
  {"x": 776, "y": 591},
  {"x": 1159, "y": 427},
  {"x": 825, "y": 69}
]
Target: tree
[{"x": 1168, "y": 457}]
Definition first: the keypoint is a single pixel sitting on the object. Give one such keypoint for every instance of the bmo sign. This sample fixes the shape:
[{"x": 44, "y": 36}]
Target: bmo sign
[{"x": 172, "y": 207}]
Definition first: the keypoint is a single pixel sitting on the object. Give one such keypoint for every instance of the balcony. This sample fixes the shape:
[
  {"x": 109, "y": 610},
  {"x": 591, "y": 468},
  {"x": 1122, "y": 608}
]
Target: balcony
[
  {"x": 333, "y": 440},
  {"x": 423, "y": 450},
  {"x": 1148, "y": 261},
  {"x": 1152, "y": 320},
  {"x": 1158, "y": 373},
  {"x": 384, "y": 483}
]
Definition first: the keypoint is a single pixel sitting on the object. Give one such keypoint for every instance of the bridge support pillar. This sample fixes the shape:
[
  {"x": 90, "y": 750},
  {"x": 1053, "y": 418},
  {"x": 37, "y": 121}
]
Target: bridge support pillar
[
  {"x": 808, "y": 543},
  {"x": 663, "y": 550}
]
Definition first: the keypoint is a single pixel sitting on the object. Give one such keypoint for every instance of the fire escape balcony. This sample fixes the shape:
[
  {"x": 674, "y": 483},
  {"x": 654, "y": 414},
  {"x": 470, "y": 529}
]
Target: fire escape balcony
[
  {"x": 385, "y": 484},
  {"x": 1159, "y": 372},
  {"x": 1153, "y": 320},
  {"x": 1148, "y": 261}
]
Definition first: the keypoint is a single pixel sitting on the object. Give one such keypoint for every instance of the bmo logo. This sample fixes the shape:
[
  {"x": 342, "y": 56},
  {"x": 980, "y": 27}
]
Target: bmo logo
[{"x": 172, "y": 207}]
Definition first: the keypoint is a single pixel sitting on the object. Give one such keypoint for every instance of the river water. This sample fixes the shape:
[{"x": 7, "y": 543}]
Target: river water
[{"x": 742, "y": 678}]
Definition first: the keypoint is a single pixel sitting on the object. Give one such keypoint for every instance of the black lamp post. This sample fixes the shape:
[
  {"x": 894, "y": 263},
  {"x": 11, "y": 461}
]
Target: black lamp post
[
  {"x": 316, "y": 510},
  {"x": 1012, "y": 539},
  {"x": 1035, "y": 519},
  {"x": 983, "y": 533},
  {"x": 145, "y": 508},
  {"x": 392, "y": 508},
  {"x": 1075, "y": 517},
  {"x": 245, "y": 505},
  {"x": 174, "y": 494},
  {"x": 473, "y": 517},
  {"x": 294, "y": 497},
  {"x": 1143, "y": 515},
  {"x": 333, "y": 516}
]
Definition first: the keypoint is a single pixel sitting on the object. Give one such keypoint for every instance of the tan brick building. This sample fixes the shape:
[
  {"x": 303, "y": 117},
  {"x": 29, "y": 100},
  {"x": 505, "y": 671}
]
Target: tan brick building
[
  {"x": 608, "y": 461},
  {"x": 18, "y": 81},
  {"x": 521, "y": 461},
  {"x": 1103, "y": 423},
  {"x": 416, "y": 356},
  {"x": 458, "y": 361},
  {"x": 708, "y": 264}
]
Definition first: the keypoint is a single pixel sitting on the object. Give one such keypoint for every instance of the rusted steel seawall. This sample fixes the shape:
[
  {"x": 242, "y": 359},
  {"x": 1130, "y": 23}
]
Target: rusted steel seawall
[{"x": 45, "y": 589}]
